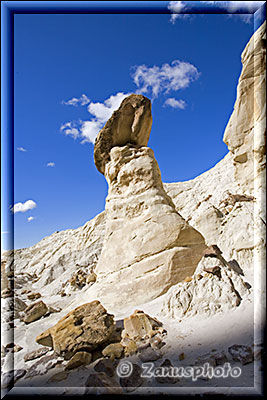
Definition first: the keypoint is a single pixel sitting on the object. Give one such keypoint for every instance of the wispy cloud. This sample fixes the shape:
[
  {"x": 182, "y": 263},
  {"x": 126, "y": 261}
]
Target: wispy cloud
[
  {"x": 87, "y": 130},
  {"x": 174, "y": 103},
  {"x": 23, "y": 207},
  {"x": 71, "y": 129},
  {"x": 21, "y": 149},
  {"x": 50, "y": 164},
  {"x": 176, "y": 7},
  {"x": 82, "y": 101},
  {"x": 30, "y": 219},
  {"x": 229, "y": 7},
  {"x": 174, "y": 76}
]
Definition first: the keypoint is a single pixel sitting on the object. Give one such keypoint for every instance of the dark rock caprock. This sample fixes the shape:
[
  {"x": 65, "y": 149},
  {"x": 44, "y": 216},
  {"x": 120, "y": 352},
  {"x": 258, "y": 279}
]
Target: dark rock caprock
[{"x": 130, "y": 124}]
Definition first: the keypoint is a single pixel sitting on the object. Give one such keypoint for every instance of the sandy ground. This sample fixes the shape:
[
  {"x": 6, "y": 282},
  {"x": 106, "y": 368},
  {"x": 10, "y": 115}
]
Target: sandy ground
[{"x": 195, "y": 336}]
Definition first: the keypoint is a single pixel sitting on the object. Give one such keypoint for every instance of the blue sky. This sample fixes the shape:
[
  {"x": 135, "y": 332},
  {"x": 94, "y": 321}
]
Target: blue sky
[{"x": 71, "y": 72}]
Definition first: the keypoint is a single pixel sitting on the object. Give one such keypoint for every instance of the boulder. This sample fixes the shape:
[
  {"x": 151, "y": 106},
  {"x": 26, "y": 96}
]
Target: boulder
[
  {"x": 212, "y": 251},
  {"x": 35, "y": 311},
  {"x": 214, "y": 358},
  {"x": 149, "y": 354},
  {"x": 83, "y": 329},
  {"x": 101, "y": 383},
  {"x": 140, "y": 325},
  {"x": 156, "y": 342},
  {"x": 241, "y": 353},
  {"x": 58, "y": 377},
  {"x": 105, "y": 365},
  {"x": 130, "y": 346},
  {"x": 167, "y": 373},
  {"x": 52, "y": 310},
  {"x": 36, "y": 354},
  {"x": 78, "y": 279},
  {"x": 206, "y": 358},
  {"x": 79, "y": 358},
  {"x": 91, "y": 278},
  {"x": 17, "y": 348},
  {"x": 7, "y": 293},
  {"x": 10, "y": 345},
  {"x": 131, "y": 123},
  {"x": 34, "y": 296},
  {"x": 220, "y": 357},
  {"x": 19, "y": 305},
  {"x": 41, "y": 366},
  {"x": 113, "y": 350},
  {"x": 134, "y": 380}
]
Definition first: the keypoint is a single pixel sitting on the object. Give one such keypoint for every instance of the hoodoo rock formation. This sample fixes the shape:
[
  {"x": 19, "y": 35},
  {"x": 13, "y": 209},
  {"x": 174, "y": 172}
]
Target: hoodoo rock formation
[{"x": 148, "y": 246}]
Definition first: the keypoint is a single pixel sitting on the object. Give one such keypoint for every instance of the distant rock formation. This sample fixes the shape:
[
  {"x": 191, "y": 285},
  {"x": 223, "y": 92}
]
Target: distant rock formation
[{"x": 148, "y": 246}]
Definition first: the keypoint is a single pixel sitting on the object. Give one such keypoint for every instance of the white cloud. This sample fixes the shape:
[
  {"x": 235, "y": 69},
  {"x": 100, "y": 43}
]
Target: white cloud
[
  {"x": 21, "y": 149},
  {"x": 87, "y": 130},
  {"x": 83, "y": 100},
  {"x": 30, "y": 219},
  {"x": 176, "y": 7},
  {"x": 174, "y": 76},
  {"x": 231, "y": 7},
  {"x": 71, "y": 129},
  {"x": 103, "y": 111},
  {"x": 174, "y": 103},
  {"x": 50, "y": 164},
  {"x": 23, "y": 207}
]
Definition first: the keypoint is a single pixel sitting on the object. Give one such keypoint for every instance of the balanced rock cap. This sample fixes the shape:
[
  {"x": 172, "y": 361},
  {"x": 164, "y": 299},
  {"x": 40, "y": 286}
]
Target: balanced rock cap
[{"x": 130, "y": 124}]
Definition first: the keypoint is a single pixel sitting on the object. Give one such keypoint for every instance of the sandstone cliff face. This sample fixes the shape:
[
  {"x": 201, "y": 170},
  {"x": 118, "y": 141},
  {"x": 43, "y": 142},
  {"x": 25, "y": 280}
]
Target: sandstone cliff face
[
  {"x": 226, "y": 203},
  {"x": 245, "y": 134}
]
